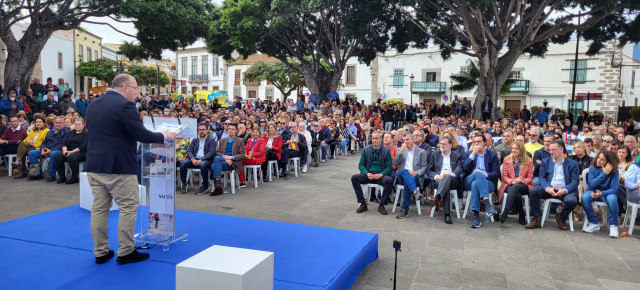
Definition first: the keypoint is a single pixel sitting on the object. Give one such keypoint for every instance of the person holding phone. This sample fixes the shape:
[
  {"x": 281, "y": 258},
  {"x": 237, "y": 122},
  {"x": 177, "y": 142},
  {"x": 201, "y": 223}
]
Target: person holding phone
[{"x": 603, "y": 180}]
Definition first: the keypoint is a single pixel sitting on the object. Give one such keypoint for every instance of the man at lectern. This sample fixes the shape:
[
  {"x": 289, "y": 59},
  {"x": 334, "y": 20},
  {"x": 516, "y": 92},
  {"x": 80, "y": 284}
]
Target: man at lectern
[{"x": 115, "y": 127}]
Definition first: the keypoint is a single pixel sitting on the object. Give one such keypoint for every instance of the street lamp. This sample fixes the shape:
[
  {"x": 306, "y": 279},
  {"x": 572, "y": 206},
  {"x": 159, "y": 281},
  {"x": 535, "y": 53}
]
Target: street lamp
[
  {"x": 411, "y": 78},
  {"x": 122, "y": 69},
  {"x": 158, "y": 64}
]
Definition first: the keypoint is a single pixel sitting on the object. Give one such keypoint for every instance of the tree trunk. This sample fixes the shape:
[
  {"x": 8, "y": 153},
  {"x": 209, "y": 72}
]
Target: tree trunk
[
  {"x": 320, "y": 80},
  {"x": 23, "y": 55},
  {"x": 494, "y": 71}
]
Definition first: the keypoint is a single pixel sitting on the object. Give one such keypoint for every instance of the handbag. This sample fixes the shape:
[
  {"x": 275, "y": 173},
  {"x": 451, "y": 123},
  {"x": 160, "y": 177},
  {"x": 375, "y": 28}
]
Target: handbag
[{"x": 34, "y": 170}]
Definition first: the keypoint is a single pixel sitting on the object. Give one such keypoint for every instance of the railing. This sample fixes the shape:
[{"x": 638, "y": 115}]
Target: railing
[
  {"x": 198, "y": 78},
  {"x": 428, "y": 87},
  {"x": 520, "y": 86}
]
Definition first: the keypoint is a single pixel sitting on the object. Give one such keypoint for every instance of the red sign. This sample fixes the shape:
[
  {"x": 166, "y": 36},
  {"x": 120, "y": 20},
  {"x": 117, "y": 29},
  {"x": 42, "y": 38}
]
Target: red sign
[
  {"x": 589, "y": 96},
  {"x": 184, "y": 82}
]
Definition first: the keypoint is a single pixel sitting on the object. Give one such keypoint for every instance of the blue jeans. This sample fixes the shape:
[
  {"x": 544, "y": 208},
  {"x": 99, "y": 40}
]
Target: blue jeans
[
  {"x": 409, "y": 183},
  {"x": 343, "y": 144},
  {"x": 218, "y": 166},
  {"x": 204, "y": 171},
  {"x": 324, "y": 148},
  {"x": 612, "y": 202},
  {"x": 536, "y": 181},
  {"x": 34, "y": 158},
  {"x": 480, "y": 187}
]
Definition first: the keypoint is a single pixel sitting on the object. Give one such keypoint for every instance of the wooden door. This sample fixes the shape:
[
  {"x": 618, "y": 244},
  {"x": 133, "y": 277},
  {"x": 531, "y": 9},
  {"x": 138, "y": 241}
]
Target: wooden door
[
  {"x": 252, "y": 94},
  {"x": 514, "y": 105},
  {"x": 184, "y": 90}
]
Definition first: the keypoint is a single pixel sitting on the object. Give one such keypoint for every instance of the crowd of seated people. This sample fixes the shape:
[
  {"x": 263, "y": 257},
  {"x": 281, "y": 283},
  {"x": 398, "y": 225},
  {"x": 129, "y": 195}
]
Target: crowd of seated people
[{"x": 427, "y": 151}]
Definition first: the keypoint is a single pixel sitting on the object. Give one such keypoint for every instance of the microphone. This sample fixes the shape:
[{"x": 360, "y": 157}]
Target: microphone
[
  {"x": 150, "y": 115},
  {"x": 177, "y": 116}
]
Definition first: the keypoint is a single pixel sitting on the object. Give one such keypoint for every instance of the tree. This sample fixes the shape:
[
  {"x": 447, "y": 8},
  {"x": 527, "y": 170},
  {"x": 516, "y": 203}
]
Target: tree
[
  {"x": 155, "y": 30},
  {"x": 497, "y": 32},
  {"x": 283, "y": 77},
  {"x": 465, "y": 81},
  {"x": 147, "y": 76},
  {"x": 100, "y": 69},
  {"x": 314, "y": 33}
]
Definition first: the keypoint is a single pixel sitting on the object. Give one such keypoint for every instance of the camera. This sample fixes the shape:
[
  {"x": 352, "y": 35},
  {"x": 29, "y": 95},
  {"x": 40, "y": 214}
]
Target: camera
[{"x": 397, "y": 244}]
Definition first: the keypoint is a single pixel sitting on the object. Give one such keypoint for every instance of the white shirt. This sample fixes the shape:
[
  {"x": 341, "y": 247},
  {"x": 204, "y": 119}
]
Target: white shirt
[
  {"x": 270, "y": 142},
  {"x": 446, "y": 164},
  {"x": 408, "y": 160},
  {"x": 200, "y": 152}
]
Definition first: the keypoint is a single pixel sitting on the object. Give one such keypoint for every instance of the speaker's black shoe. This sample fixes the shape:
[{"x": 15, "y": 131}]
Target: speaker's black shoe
[
  {"x": 133, "y": 257},
  {"x": 105, "y": 258}
]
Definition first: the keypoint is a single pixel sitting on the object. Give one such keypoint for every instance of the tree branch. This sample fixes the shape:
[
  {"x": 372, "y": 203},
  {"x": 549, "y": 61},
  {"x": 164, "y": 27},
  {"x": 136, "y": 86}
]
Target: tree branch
[{"x": 108, "y": 24}]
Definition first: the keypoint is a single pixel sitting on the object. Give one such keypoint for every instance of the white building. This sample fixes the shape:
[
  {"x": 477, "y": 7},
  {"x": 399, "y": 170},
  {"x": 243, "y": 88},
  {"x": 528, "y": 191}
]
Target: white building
[
  {"x": 109, "y": 51},
  {"x": 422, "y": 75},
  {"x": 240, "y": 88},
  {"x": 56, "y": 58},
  {"x": 197, "y": 69}
]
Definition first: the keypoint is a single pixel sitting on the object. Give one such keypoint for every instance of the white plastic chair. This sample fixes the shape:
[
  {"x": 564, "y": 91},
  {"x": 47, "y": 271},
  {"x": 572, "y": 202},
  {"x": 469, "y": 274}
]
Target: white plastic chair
[
  {"x": 271, "y": 166},
  {"x": 190, "y": 173},
  {"x": 366, "y": 188},
  {"x": 399, "y": 190},
  {"x": 603, "y": 206},
  {"x": 67, "y": 168},
  {"x": 525, "y": 200},
  {"x": 234, "y": 180},
  {"x": 296, "y": 164},
  {"x": 9, "y": 159},
  {"x": 253, "y": 173},
  {"x": 634, "y": 213},
  {"x": 453, "y": 196},
  {"x": 547, "y": 208},
  {"x": 467, "y": 206}
]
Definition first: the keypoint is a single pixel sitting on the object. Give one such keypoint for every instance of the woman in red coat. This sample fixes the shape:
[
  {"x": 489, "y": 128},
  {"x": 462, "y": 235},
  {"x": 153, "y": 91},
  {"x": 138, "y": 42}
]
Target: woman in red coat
[
  {"x": 253, "y": 152},
  {"x": 517, "y": 180},
  {"x": 273, "y": 145}
]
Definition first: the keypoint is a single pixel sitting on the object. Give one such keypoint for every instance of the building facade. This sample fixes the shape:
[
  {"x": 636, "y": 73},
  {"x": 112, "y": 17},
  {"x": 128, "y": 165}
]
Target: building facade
[
  {"x": 87, "y": 47},
  {"x": 197, "y": 69}
]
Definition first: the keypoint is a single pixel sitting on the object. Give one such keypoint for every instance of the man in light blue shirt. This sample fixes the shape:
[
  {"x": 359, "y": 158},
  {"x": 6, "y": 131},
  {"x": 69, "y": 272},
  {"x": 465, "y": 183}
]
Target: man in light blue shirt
[
  {"x": 482, "y": 170},
  {"x": 559, "y": 178}
]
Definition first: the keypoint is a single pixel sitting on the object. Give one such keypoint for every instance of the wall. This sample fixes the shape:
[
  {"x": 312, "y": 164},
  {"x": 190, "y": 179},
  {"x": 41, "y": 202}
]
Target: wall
[{"x": 87, "y": 40}]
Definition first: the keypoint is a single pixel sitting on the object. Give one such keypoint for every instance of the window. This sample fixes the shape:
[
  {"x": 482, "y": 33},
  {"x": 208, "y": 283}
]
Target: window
[
  {"x": 236, "y": 78},
  {"x": 80, "y": 52},
  {"x": 216, "y": 69},
  {"x": 633, "y": 79},
  {"x": 205, "y": 67},
  {"x": 60, "y": 60},
  {"x": 351, "y": 75},
  {"x": 515, "y": 75},
  {"x": 398, "y": 78},
  {"x": 215, "y": 88},
  {"x": 89, "y": 54},
  {"x": 184, "y": 67},
  {"x": 194, "y": 67},
  {"x": 465, "y": 69},
  {"x": 95, "y": 54},
  {"x": 430, "y": 77},
  {"x": 581, "y": 76}
]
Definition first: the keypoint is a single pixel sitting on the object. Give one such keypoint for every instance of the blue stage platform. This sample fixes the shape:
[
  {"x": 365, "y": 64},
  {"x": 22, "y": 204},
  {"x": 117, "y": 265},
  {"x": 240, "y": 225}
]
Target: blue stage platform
[{"x": 53, "y": 250}]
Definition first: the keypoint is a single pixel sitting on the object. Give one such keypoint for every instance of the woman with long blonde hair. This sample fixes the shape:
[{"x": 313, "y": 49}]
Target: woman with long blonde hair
[{"x": 517, "y": 180}]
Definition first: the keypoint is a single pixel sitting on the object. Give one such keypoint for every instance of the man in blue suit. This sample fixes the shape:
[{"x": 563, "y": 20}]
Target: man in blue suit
[
  {"x": 199, "y": 155},
  {"x": 559, "y": 178},
  {"x": 115, "y": 127},
  {"x": 482, "y": 171}
]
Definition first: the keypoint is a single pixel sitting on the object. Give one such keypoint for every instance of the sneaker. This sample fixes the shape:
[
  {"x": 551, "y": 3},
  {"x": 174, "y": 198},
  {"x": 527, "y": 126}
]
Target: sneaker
[
  {"x": 552, "y": 214},
  {"x": 417, "y": 195},
  {"x": 304, "y": 169},
  {"x": 242, "y": 185},
  {"x": 323, "y": 160},
  {"x": 402, "y": 214},
  {"x": 184, "y": 187},
  {"x": 592, "y": 228},
  {"x": 475, "y": 223},
  {"x": 490, "y": 211},
  {"x": 613, "y": 232},
  {"x": 202, "y": 190},
  {"x": 51, "y": 179}
]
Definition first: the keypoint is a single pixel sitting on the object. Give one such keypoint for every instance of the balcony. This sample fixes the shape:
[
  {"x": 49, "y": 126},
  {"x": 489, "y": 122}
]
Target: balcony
[
  {"x": 198, "y": 78},
  {"x": 428, "y": 87},
  {"x": 521, "y": 86}
]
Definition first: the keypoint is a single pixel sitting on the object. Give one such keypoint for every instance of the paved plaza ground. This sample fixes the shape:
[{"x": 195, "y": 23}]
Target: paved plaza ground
[{"x": 434, "y": 255}]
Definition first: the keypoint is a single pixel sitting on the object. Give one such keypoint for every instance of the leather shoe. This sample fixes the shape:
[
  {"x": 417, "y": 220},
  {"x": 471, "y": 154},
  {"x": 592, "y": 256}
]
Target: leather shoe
[
  {"x": 132, "y": 257},
  {"x": 105, "y": 258},
  {"x": 362, "y": 208},
  {"x": 447, "y": 219},
  {"x": 382, "y": 210},
  {"x": 534, "y": 224},
  {"x": 561, "y": 224},
  {"x": 217, "y": 188},
  {"x": 72, "y": 181}
]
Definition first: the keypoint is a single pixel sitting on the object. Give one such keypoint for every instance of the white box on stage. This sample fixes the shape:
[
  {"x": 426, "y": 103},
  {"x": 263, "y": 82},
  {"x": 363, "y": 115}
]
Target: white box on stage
[
  {"x": 226, "y": 268},
  {"x": 86, "y": 195}
]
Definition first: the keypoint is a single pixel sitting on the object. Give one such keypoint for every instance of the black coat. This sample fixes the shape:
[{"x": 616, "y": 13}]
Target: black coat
[{"x": 112, "y": 147}]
